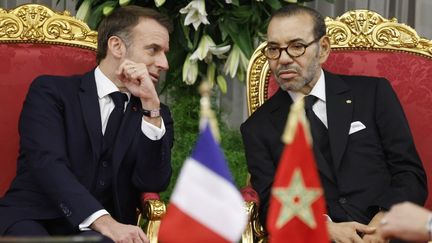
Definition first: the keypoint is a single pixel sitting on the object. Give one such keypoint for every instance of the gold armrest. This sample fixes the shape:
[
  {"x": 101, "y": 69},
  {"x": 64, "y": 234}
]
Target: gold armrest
[
  {"x": 254, "y": 231},
  {"x": 153, "y": 211}
]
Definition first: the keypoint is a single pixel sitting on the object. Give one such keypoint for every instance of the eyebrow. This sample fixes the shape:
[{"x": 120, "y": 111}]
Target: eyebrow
[
  {"x": 156, "y": 46},
  {"x": 289, "y": 42}
]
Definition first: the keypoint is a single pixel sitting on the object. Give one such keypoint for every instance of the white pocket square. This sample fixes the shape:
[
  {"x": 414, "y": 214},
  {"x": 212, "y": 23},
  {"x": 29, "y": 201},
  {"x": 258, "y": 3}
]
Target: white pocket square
[{"x": 355, "y": 127}]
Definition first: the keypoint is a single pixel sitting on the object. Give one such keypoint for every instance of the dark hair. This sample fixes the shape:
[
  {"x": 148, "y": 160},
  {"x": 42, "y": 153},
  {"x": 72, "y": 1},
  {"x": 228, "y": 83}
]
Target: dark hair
[
  {"x": 294, "y": 9},
  {"x": 120, "y": 23}
]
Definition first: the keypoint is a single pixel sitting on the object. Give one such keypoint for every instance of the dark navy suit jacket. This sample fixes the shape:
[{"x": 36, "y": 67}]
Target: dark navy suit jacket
[
  {"x": 373, "y": 168},
  {"x": 60, "y": 149}
]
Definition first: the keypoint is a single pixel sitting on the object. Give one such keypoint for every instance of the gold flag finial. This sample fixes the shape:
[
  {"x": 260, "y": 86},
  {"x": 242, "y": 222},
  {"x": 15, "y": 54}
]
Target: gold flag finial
[{"x": 206, "y": 111}]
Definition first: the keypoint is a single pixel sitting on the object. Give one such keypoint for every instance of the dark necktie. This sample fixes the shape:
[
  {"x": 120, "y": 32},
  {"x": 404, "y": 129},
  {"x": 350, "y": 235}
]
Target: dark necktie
[
  {"x": 318, "y": 129},
  {"x": 310, "y": 100},
  {"x": 114, "y": 119}
]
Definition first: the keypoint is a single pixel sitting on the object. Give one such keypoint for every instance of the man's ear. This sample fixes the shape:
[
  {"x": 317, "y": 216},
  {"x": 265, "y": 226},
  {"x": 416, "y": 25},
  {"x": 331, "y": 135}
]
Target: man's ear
[
  {"x": 324, "y": 49},
  {"x": 116, "y": 47}
]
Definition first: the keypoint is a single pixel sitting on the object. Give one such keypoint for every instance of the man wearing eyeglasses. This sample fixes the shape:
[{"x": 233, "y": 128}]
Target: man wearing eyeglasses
[{"x": 363, "y": 147}]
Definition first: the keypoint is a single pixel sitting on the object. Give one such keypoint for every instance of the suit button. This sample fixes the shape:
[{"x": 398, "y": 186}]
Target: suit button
[
  {"x": 65, "y": 210},
  {"x": 342, "y": 200},
  {"x": 102, "y": 182},
  {"x": 104, "y": 163}
]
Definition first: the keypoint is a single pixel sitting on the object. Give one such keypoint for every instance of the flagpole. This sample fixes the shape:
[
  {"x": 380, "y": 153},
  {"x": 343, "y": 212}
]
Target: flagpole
[
  {"x": 205, "y": 205},
  {"x": 206, "y": 112}
]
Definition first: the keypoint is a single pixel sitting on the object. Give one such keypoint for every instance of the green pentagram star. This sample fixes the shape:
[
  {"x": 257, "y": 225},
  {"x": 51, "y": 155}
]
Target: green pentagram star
[{"x": 296, "y": 200}]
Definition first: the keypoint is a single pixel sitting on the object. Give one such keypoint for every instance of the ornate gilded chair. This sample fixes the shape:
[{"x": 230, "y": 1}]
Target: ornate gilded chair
[
  {"x": 34, "y": 40},
  {"x": 365, "y": 43}
]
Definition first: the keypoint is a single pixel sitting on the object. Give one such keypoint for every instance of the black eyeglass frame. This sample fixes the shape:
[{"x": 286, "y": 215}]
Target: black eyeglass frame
[{"x": 286, "y": 49}]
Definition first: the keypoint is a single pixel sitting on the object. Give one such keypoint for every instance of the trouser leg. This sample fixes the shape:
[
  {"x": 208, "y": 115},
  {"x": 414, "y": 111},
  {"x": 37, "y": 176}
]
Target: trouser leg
[{"x": 27, "y": 228}]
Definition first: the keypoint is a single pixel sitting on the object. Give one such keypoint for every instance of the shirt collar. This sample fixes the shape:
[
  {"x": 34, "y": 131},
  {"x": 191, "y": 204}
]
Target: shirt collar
[{"x": 104, "y": 85}]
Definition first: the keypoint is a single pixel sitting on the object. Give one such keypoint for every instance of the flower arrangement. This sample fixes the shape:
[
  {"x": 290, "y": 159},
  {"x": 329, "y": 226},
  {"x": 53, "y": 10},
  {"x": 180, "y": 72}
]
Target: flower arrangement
[{"x": 212, "y": 39}]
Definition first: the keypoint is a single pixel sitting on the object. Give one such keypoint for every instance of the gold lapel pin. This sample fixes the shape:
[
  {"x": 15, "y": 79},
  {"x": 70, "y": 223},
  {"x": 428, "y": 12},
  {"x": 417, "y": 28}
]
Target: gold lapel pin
[{"x": 348, "y": 101}]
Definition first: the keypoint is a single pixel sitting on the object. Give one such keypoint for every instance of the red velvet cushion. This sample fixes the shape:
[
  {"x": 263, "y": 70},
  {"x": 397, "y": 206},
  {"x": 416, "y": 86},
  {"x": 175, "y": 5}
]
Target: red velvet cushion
[
  {"x": 19, "y": 65},
  {"x": 249, "y": 194}
]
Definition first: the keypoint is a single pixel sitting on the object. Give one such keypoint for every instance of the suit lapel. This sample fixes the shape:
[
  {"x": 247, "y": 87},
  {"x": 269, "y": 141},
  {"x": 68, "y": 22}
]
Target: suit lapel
[
  {"x": 339, "y": 102},
  {"x": 279, "y": 108},
  {"x": 130, "y": 126},
  {"x": 91, "y": 112}
]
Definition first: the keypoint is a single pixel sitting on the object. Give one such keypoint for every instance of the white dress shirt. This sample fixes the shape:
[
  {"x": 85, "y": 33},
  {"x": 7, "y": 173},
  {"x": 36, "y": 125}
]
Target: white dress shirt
[
  {"x": 105, "y": 87},
  {"x": 319, "y": 108}
]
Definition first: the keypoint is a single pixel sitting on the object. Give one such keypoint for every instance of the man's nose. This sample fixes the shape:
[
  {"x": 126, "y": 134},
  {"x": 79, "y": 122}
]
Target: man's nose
[
  {"x": 162, "y": 62},
  {"x": 285, "y": 58}
]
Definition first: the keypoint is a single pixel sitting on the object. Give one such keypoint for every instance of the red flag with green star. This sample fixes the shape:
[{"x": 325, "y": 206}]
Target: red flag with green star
[{"x": 297, "y": 207}]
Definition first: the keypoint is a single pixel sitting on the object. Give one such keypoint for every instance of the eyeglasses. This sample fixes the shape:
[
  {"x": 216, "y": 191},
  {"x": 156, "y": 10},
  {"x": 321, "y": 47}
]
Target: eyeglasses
[{"x": 294, "y": 49}]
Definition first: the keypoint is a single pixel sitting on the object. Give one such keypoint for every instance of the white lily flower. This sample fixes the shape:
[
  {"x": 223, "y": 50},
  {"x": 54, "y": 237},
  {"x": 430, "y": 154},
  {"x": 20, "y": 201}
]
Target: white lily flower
[
  {"x": 159, "y": 3},
  {"x": 190, "y": 71},
  {"x": 228, "y": 1},
  {"x": 235, "y": 58},
  {"x": 206, "y": 48},
  {"x": 196, "y": 13}
]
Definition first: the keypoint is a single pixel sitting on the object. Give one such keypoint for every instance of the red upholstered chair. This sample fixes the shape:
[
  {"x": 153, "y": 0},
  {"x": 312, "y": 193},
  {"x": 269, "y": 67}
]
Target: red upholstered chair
[
  {"x": 32, "y": 44},
  {"x": 365, "y": 43},
  {"x": 34, "y": 40}
]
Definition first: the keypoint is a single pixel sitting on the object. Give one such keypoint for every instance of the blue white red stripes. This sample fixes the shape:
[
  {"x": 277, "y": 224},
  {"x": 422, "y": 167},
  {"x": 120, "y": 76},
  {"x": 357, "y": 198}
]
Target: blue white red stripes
[{"x": 205, "y": 193}]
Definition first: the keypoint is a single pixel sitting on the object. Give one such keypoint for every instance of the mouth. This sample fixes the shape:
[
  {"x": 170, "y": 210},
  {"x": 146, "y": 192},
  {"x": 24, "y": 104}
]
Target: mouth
[
  {"x": 287, "y": 74},
  {"x": 154, "y": 77}
]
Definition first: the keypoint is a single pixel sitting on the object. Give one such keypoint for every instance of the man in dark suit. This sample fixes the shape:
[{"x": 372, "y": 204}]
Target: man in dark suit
[
  {"x": 78, "y": 172},
  {"x": 364, "y": 150}
]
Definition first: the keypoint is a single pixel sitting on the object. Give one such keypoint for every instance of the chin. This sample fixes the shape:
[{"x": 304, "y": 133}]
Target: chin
[{"x": 291, "y": 85}]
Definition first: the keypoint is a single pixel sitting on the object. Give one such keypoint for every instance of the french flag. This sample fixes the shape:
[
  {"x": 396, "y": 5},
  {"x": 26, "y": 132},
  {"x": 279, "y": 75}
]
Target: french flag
[{"x": 205, "y": 205}]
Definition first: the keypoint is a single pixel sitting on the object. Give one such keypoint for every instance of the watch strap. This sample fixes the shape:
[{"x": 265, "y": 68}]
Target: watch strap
[{"x": 151, "y": 113}]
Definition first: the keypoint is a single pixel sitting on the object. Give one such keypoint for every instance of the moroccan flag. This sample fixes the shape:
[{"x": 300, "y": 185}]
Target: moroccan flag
[
  {"x": 297, "y": 208},
  {"x": 205, "y": 205}
]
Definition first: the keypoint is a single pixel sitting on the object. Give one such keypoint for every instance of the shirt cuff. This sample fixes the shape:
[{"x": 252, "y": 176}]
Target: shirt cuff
[
  {"x": 151, "y": 131},
  {"x": 84, "y": 226}
]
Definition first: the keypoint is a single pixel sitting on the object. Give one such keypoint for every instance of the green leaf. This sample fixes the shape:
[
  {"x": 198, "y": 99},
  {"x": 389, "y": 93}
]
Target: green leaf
[
  {"x": 97, "y": 14},
  {"x": 242, "y": 13},
  {"x": 159, "y": 3},
  {"x": 223, "y": 31},
  {"x": 124, "y": 2},
  {"x": 211, "y": 70},
  {"x": 240, "y": 74},
  {"x": 240, "y": 36},
  {"x": 274, "y": 4},
  {"x": 222, "y": 83},
  {"x": 235, "y": 2},
  {"x": 186, "y": 31},
  {"x": 107, "y": 10}
]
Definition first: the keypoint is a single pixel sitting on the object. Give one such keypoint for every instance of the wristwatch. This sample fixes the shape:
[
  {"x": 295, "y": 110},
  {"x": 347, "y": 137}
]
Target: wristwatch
[{"x": 151, "y": 113}]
